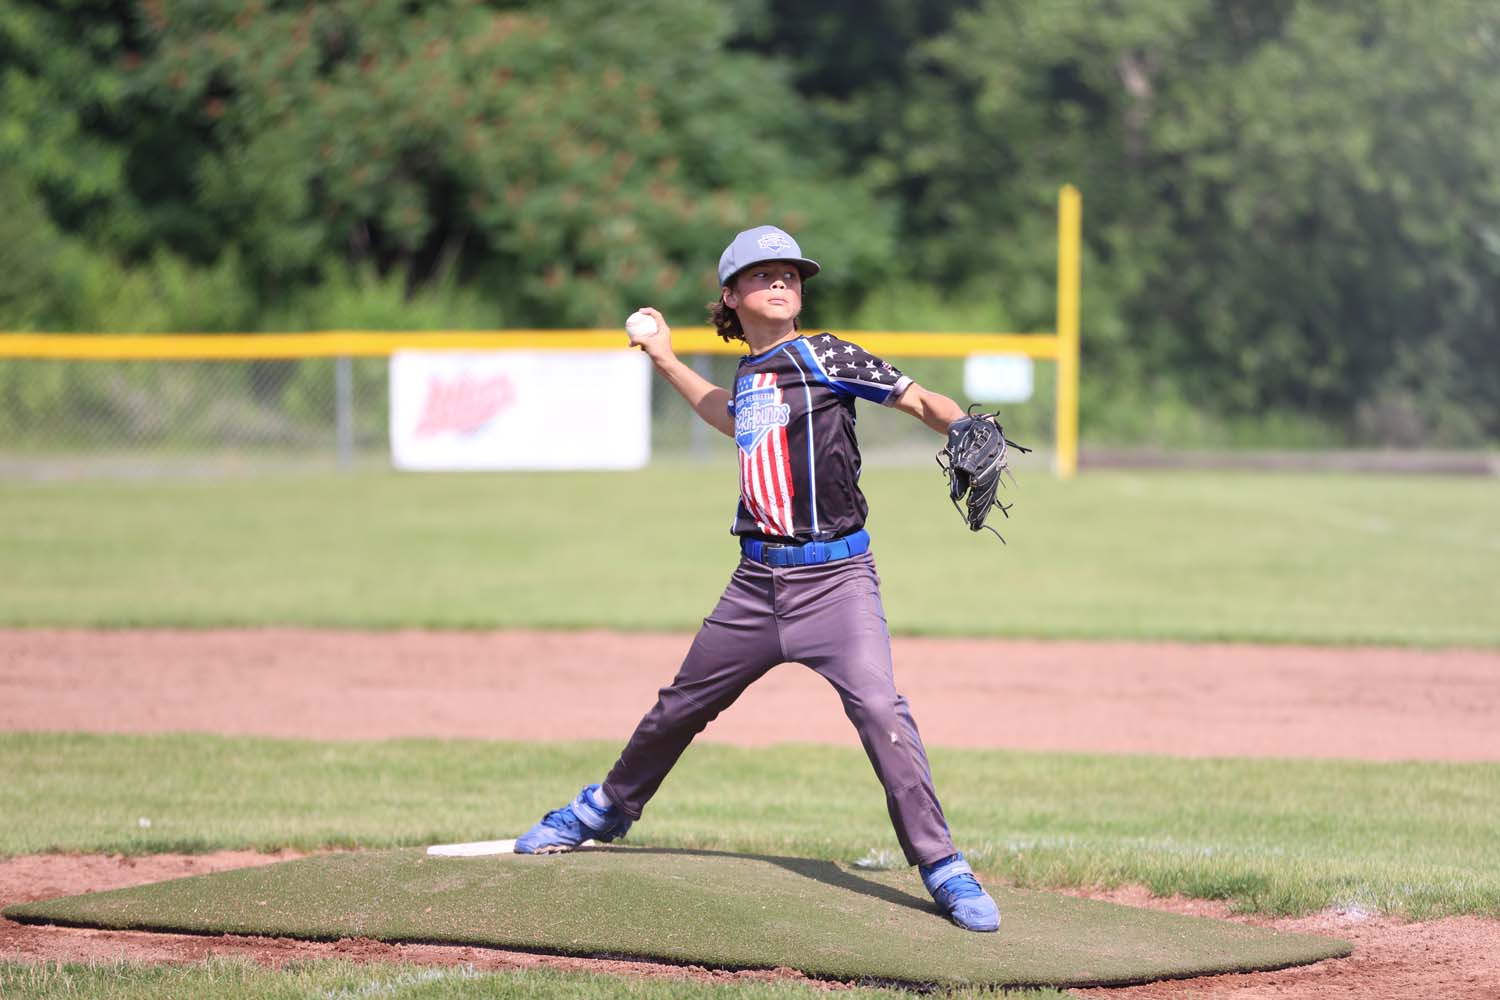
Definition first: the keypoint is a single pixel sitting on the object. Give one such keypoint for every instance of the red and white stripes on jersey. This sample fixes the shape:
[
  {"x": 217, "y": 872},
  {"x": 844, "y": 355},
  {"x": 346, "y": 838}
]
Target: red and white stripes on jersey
[{"x": 766, "y": 471}]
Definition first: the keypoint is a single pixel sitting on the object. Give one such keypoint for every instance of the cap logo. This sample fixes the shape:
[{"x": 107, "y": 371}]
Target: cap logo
[{"x": 775, "y": 242}]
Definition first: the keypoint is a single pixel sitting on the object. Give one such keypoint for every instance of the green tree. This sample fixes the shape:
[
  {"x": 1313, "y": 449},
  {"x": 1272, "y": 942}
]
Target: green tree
[
  {"x": 1289, "y": 204},
  {"x": 573, "y": 159},
  {"x": 1287, "y": 200},
  {"x": 65, "y": 125}
]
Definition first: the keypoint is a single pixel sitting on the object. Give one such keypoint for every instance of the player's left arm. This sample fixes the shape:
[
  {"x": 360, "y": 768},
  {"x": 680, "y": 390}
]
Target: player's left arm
[{"x": 932, "y": 408}]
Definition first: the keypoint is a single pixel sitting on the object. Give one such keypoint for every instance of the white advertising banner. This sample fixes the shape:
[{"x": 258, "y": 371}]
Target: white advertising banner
[{"x": 520, "y": 410}]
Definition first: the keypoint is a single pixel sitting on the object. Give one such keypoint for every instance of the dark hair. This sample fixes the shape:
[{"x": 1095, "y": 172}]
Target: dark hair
[{"x": 727, "y": 322}]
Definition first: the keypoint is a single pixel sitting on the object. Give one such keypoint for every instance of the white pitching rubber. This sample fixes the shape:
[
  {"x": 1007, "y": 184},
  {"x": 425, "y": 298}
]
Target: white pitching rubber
[
  {"x": 480, "y": 849},
  {"x": 476, "y": 849}
]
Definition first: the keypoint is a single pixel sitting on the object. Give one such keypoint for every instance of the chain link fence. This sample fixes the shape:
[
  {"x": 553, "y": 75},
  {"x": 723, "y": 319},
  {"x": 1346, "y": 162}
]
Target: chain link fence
[{"x": 64, "y": 419}]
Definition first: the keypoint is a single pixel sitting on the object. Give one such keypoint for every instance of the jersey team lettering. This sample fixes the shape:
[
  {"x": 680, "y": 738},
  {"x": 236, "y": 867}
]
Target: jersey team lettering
[{"x": 760, "y": 420}]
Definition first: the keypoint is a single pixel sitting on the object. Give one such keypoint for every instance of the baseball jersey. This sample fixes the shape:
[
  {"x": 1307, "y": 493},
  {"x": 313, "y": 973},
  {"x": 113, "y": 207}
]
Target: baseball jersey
[{"x": 793, "y": 410}]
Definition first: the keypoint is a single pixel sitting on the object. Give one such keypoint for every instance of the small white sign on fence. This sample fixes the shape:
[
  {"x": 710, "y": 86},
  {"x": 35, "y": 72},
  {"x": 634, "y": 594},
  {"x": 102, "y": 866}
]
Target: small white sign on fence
[
  {"x": 998, "y": 378},
  {"x": 520, "y": 410}
]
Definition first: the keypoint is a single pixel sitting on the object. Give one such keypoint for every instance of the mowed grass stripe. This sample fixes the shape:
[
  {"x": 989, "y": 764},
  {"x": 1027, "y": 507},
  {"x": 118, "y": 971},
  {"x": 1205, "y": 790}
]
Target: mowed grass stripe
[
  {"x": 1196, "y": 556},
  {"x": 339, "y": 979},
  {"x": 1274, "y": 836}
]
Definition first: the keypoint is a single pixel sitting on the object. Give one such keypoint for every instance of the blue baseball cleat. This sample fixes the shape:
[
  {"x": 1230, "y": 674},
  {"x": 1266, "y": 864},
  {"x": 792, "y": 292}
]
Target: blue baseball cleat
[
  {"x": 952, "y": 883},
  {"x": 564, "y": 829}
]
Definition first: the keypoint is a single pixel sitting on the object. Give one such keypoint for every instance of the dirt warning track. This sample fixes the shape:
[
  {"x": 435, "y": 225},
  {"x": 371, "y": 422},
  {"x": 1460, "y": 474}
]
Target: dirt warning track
[{"x": 1191, "y": 700}]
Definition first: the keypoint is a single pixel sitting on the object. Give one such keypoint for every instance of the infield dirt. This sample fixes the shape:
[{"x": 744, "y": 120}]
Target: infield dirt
[
  {"x": 1107, "y": 697},
  {"x": 1192, "y": 700}
]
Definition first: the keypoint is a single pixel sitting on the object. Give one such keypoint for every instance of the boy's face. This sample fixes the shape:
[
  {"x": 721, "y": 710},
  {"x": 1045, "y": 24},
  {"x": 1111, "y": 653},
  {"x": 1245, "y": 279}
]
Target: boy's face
[{"x": 769, "y": 291}]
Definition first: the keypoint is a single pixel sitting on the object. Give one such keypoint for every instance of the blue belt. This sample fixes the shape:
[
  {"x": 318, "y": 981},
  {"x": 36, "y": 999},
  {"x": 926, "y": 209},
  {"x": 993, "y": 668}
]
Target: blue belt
[{"x": 807, "y": 554}]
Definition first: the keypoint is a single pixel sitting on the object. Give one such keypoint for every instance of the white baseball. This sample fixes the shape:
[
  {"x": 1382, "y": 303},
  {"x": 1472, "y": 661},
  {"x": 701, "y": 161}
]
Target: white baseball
[{"x": 640, "y": 325}]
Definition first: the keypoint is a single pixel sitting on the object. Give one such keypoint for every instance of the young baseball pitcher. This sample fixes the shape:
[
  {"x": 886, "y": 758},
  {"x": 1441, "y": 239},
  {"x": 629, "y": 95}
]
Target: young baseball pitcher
[{"x": 805, "y": 589}]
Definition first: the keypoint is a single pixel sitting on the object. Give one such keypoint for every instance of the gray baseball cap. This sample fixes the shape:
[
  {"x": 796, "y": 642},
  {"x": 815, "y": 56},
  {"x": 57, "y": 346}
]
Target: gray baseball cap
[{"x": 758, "y": 245}]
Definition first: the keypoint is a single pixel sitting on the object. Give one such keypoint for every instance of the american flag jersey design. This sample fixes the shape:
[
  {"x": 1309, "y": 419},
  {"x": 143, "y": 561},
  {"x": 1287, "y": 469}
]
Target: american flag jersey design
[{"x": 793, "y": 410}]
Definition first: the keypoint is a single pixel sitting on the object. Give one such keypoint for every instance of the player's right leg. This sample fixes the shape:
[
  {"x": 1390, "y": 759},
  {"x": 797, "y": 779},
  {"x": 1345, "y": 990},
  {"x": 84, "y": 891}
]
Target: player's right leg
[{"x": 737, "y": 644}]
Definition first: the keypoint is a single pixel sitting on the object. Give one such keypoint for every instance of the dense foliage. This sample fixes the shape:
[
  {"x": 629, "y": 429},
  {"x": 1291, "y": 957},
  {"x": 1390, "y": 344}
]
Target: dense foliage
[{"x": 1290, "y": 205}]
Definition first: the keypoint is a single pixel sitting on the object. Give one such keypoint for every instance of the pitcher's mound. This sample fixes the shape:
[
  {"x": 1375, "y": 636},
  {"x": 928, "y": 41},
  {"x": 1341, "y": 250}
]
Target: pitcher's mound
[{"x": 706, "y": 908}]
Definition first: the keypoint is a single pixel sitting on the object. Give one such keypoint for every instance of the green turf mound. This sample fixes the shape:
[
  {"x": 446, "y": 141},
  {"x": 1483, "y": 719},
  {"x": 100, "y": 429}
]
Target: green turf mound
[{"x": 700, "y": 907}]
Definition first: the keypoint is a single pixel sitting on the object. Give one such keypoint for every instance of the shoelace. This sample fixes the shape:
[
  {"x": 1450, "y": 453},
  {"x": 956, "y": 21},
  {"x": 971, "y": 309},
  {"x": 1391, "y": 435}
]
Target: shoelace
[
  {"x": 570, "y": 820},
  {"x": 964, "y": 886},
  {"x": 565, "y": 814}
]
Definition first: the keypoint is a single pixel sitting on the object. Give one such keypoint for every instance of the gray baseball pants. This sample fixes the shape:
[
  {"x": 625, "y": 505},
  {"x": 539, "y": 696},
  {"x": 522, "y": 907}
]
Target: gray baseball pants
[{"x": 828, "y": 617}]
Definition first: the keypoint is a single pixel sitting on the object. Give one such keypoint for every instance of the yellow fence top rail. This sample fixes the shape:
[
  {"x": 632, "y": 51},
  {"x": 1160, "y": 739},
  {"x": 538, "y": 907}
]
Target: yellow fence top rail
[
  {"x": 1061, "y": 345},
  {"x": 362, "y": 343}
]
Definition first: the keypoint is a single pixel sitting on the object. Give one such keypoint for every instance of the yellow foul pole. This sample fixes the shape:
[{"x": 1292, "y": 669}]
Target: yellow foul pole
[{"x": 1069, "y": 220}]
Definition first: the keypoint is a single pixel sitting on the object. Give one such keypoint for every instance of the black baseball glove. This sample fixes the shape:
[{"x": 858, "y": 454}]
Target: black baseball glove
[{"x": 974, "y": 459}]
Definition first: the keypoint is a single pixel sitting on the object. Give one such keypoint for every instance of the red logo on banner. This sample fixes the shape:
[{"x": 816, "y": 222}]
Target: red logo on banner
[{"x": 464, "y": 404}]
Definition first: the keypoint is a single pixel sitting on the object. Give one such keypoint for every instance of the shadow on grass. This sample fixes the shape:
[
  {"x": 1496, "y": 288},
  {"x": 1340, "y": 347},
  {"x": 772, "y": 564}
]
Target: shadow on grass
[{"x": 827, "y": 872}]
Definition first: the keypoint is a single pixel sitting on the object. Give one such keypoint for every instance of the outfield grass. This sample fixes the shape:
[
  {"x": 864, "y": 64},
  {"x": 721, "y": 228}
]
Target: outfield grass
[
  {"x": 1270, "y": 836},
  {"x": 1196, "y": 556}
]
